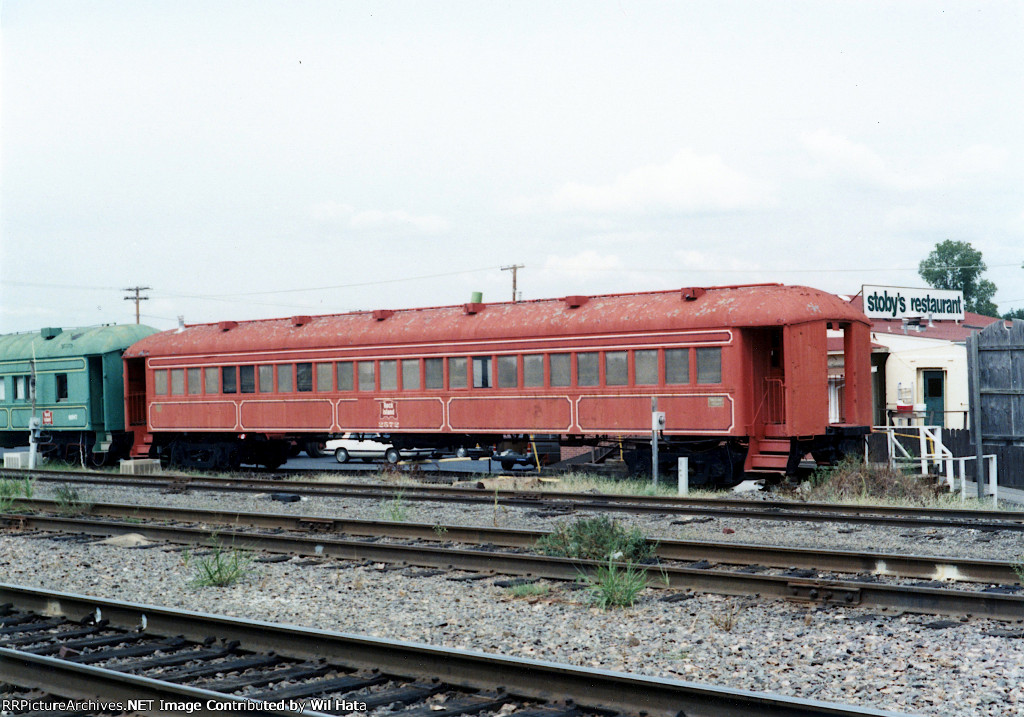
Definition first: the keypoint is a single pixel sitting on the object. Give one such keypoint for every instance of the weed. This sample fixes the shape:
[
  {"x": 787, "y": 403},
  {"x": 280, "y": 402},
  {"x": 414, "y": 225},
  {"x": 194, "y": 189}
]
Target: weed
[
  {"x": 1018, "y": 567},
  {"x": 726, "y": 619},
  {"x": 440, "y": 531},
  {"x": 615, "y": 585},
  {"x": 397, "y": 509},
  {"x": 70, "y": 502},
  {"x": 221, "y": 568},
  {"x": 853, "y": 481},
  {"x": 596, "y": 539},
  {"x": 529, "y": 590},
  {"x": 11, "y": 490}
]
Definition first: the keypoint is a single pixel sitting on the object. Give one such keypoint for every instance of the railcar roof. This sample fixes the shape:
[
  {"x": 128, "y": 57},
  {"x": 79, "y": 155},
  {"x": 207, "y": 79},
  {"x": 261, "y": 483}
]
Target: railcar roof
[
  {"x": 714, "y": 307},
  {"x": 89, "y": 341}
]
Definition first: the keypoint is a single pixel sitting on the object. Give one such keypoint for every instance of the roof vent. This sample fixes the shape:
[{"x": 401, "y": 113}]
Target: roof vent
[
  {"x": 301, "y": 320},
  {"x": 692, "y": 293},
  {"x": 574, "y": 302},
  {"x": 227, "y": 325},
  {"x": 50, "y": 332},
  {"x": 473, "y": 307},
  {"x": 381, "y": 314}
]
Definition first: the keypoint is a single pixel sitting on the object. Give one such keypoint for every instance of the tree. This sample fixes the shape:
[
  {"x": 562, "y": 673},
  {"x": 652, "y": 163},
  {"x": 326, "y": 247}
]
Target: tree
[
  {"x": 958, "y": 265},
  {"x": 1015, "y": 314}
]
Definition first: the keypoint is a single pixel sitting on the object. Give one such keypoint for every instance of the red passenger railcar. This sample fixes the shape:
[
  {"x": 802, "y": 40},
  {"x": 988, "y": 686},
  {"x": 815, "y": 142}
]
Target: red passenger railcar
[{"x": 740, "y": 372}]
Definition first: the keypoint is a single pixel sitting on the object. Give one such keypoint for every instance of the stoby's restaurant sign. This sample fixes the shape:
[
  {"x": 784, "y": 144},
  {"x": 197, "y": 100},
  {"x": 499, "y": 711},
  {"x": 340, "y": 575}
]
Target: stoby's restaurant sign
[{"x": 897, "y": 302}]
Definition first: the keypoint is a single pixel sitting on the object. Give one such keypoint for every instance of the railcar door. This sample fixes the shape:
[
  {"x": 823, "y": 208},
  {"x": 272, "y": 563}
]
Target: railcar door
[{"x": 768, "y": 378}]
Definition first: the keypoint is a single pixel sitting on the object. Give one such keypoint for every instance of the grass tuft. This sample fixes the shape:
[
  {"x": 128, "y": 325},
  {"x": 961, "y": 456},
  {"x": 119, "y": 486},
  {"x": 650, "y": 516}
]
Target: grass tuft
[
  {"x": 597, "y": 538},
  {"x": 397, "y": 509},
  {"x": 529, "y": 590},
  {"x": 11, "y": 489},
  {"x": 853, "y": 481},
  {"x": 70, "y": 501},
  {"x": 615, "y": 585},
  {"x": 221, "y": 568}
]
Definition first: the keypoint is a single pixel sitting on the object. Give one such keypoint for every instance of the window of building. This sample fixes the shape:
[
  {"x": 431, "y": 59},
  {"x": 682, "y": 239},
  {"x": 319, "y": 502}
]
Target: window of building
[
  {"x": 508, "y": 371},
  {"x": 389, "y": 375},
  {"x": 677, "y": 366},
  {"x": 177, "y": 382},
  {"x": 229, "y": 379},
  {"x": 304, "y": 377},
  {"x": 586, "y": 369},
  {"x": 195, "y": 381},
  {"x": 159, "y": 383},
  {"x": 266, "y": 374},
  {"x": 367, "y": 380},
  {"x": 560, "y": 369},
  {"x": 247, "y": 379},
  {"x": 285, "y": 376},
  {"x": 433, "y": 372},
  {"x": 410, "y": 374},
  {"x": 645, "y": 367},
  {"x": 62, "y": 386},
  {"x": 324, "y": 377},
  {"x": 345, "y": 376},
  {"x": 457, "y": 374},
  {"x": 616, "y": 372},
  {"x": 212, "y": 384},
  {"x": 709, "y": 365},
  {"x": 533, "y": 370},
  {"x": 482, "y": 372}
]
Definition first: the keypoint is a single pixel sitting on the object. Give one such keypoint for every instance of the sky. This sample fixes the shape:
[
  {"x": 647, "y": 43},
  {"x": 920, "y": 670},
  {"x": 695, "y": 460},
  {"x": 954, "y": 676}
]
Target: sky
[{"x": 262, "y": 159}]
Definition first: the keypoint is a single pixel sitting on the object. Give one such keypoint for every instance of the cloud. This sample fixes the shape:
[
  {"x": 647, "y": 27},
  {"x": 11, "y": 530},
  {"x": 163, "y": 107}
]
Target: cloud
[
  {"x": 840, "y": 156},
  {"x": 346, "y": 215},
  {"x": 583, "y": 266},
  {"x": 687, "y": 183}
]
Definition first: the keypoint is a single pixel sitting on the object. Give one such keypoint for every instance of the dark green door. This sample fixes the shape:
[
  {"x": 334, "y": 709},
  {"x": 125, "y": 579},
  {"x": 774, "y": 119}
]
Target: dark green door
[{"x": 934, "y": 397}]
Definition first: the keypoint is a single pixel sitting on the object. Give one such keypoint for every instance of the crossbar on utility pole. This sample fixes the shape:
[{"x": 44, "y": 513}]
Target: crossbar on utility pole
[
  {"x": 137, "y": 298},
  {"x": 513, "y": 268}
]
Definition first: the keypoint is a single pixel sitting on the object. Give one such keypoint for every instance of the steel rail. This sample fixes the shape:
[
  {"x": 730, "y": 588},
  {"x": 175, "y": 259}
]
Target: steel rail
[
  {"x": 599, "y": 690},
  {"x": 730, "y": 553},
  {"x": 732, "y": 508},
  {"x": 997, "y": 606}
]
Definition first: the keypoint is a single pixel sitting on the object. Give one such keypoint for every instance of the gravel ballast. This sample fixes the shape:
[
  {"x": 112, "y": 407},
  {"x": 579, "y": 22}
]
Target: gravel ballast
[{"x": 908, "y": 663}]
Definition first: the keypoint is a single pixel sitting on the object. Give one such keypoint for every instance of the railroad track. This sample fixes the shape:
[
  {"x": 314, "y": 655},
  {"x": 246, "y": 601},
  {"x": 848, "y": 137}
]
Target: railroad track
[
  {"x": 89, "y": 648},
  {"x": 553, "y": 500},
  {"x": 1004, "y": 602}
]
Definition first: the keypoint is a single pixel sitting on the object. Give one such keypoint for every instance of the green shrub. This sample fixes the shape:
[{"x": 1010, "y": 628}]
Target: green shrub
[{"x": 597, "y": 539}]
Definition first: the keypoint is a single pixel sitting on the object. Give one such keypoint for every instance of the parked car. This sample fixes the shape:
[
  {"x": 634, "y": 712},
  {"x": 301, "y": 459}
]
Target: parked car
[{"x": 367, "y": 447}]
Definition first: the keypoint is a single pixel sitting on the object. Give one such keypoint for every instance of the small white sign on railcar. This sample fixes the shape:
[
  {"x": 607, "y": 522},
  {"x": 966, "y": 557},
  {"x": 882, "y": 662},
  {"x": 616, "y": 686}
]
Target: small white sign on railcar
[{"x": 898, "y": 302}]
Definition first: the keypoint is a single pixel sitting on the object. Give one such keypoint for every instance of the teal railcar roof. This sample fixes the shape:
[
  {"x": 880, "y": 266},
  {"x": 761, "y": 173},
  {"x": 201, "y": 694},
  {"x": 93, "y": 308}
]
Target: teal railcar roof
[{"x": 91, "y": 341}]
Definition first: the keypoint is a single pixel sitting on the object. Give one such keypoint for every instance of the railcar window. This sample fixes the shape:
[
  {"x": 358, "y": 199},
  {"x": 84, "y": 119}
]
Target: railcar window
[
  {"x": 177, "y": 382},
  {"x": 560, "y": 374},
  {"x": 457, "y": 376},
  {"x": 324, "y": 377},
  {"x": 229, "y": 379},
  {"x": 266, "y": 379},
  {"x": 195, "y": 381},
  {"x": 615, "y": 371},
  {"x": 533, "y": 370},
  {"x": 586, "y": 369},
  {"x": 645, "y": 367},
  {"x": 482, "y": 372},
  {"x": 410, "y": 374},
  {"x": 677, "y": 366},
  {"x": 159, "y": 383},
  {"x": 3, "y": 389},
  {"x": 304, "y": 377},
  {"x": 62, "y": 386},
  {"x": 285, "y": 374},
  {"x": 212, "y": 384},
  {"x": 433, "y": 372},
  {"x": 508, "y": 371},
  {"x": 389, "y": 375},
  {"x": 247, "y": 379},
  {"x": 366, "y": 376},
  {"x": 344, "y": 375},
  {"x": 709, "y": 365}
]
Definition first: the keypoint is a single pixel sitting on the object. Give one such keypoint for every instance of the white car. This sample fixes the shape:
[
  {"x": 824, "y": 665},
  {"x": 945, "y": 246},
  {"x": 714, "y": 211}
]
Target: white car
[{"x": 366, "y": 447}]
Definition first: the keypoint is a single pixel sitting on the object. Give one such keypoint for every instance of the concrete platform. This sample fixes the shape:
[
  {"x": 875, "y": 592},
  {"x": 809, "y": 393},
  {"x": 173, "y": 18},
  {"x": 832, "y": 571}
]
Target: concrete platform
[{"x": 141, "y": 466}]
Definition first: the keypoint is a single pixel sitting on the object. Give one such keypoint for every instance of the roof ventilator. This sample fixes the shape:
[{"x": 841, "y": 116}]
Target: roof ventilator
[
  {"x": 474, "y": 307},
  {"x": 574, "y": 302},
  {"x": 692, "y": 293},
  {"x": 381, "y": 314},
  {"x": 227, "y": 325},
  {"x": 300, "y": 320},
  {"x": 50, "y": 332}
]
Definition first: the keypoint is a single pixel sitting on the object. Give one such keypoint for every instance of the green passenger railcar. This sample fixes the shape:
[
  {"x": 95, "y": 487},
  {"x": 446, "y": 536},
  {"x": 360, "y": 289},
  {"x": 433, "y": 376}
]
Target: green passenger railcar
[{"x": 71, "y": 379}]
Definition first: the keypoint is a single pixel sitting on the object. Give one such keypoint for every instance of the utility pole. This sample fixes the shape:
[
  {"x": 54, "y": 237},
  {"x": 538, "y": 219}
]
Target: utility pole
[
  {"x": 513, "y": 268},
  {"x": 137, "y": 298}
]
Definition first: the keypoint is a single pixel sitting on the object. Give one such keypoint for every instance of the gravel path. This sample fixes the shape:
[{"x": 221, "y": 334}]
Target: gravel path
[{"x": 909, "y": 663}]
